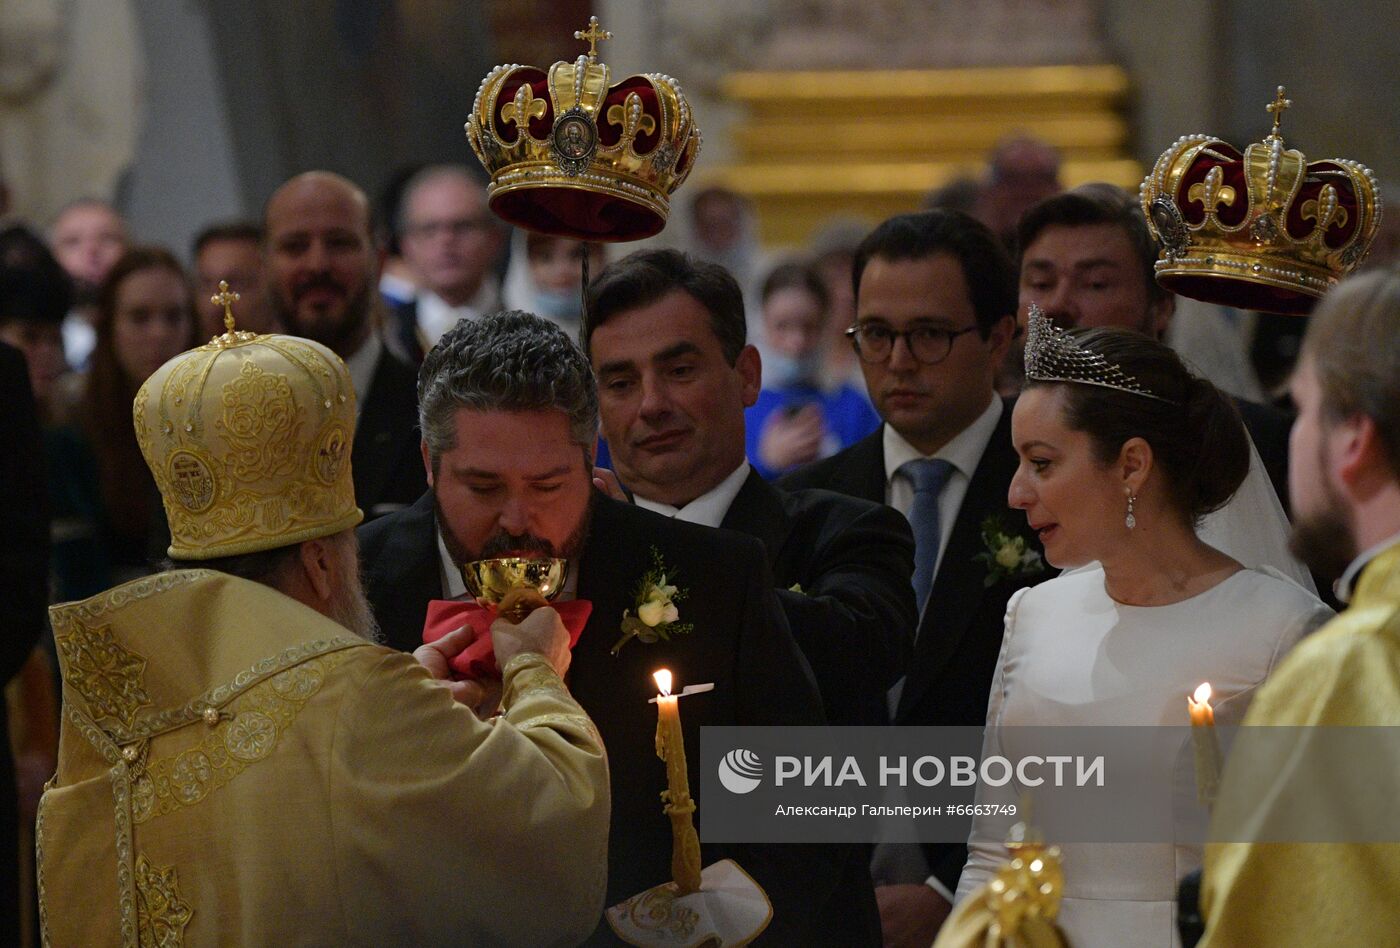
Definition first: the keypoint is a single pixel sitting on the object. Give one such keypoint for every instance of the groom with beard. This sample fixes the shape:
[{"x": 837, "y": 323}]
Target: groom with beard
[{"x": 509, "y": 414}]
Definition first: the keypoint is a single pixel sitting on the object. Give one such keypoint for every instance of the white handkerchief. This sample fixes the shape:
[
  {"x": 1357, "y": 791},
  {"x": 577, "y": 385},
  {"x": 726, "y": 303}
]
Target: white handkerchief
[{"x": 730, "y": 909}]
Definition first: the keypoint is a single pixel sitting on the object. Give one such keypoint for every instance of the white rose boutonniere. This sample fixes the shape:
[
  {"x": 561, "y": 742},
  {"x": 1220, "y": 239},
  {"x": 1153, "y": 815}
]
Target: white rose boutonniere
[
  {"x": 1007, "y": 555},
  {"x": 657, "y": 616}
]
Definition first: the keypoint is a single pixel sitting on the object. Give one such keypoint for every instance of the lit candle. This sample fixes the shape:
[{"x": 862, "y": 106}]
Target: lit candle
[
  {"x": 1207, "y": 745},
  {"x": 670, "y": 747}
]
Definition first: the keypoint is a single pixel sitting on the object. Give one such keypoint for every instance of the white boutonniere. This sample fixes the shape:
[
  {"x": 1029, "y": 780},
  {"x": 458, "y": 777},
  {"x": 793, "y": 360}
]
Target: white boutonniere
[
  {"x": 1007, "y": 555},
  {"x": 657, "y": 616}
]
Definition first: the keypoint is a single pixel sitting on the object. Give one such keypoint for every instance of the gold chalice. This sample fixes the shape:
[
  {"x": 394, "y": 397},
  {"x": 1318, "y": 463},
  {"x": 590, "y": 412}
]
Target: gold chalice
[{"x": 490, "y": 582}]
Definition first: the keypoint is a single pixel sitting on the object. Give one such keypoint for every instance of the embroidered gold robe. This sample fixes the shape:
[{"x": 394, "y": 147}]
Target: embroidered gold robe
[
  {"x": 236, "y": 769},
  {"x": 1260, "y": 894}
]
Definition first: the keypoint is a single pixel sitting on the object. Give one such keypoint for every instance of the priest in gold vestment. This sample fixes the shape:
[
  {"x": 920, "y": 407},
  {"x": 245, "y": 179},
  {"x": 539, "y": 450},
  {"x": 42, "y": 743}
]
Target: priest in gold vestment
[
  {"x": 239, "y": 767},
  {"x": 1345, "y": 487}
]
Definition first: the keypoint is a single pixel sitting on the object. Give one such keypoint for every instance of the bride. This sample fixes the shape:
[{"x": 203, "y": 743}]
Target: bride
[{"x": 1122, "y": 451}]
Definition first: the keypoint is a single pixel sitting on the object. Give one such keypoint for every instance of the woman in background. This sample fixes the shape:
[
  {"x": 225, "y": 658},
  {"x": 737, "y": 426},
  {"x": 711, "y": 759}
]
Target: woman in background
[{"x": 145, "y": 317}]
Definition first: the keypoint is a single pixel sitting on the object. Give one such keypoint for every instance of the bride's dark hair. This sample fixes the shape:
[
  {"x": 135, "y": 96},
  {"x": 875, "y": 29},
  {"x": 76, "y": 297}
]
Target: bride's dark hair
[{"x": 1195, "y": 431}]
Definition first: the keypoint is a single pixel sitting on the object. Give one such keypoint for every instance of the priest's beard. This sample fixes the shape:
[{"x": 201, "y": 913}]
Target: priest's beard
[
  {"x": 1323, "y": 539},
  {"x": 502, "y": 543},
  {"x": 348, "y": 605}
]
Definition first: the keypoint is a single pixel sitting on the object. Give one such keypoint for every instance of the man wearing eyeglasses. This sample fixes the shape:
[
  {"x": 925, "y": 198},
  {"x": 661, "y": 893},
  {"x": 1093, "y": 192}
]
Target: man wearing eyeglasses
[
  {"x": 935, "y": 314},
  {"x": 451, "y": 241}
]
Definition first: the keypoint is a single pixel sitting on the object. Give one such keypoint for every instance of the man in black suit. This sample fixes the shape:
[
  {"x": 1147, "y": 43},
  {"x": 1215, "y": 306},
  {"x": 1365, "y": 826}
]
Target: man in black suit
[
  {"x": 666, "y": 336},
  {"x": 322, "y": 278},
  {"x": 24, "y": 587},
  {"x": 1088, "y": 259},
  {"x": 509, "y": 411},
  {"x": 935, "y": 304}
]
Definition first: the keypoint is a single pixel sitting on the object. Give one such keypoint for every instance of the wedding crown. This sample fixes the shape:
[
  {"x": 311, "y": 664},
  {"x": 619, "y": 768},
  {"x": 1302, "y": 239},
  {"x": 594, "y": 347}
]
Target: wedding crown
[
  {"x": 1265, "y": 230},
  {"x": 572, "y": 156},
  {"x": 1052, "y": 355}
]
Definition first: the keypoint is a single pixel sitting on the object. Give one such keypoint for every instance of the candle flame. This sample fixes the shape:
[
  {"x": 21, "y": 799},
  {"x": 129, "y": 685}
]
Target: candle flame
[
  {"x": 1202, "y": 695},
  {"x": 663, "y": 680}
]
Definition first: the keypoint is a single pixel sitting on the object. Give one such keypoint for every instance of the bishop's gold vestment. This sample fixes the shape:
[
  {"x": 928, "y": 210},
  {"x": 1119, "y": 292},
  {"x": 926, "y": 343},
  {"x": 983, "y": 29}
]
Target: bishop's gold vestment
[
  {"x": 236, "y": 769},
  {"x": 1260, "y": 894}
]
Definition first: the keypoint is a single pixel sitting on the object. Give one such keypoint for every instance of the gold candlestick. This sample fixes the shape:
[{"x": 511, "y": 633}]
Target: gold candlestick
[
  {"x": 670, "y": 747},
  {"x": 1206, "y": 744}
]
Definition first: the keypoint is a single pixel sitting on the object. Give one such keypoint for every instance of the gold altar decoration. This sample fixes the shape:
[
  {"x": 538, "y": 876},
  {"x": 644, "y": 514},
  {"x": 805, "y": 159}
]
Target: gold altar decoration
[
  {"x": 248, "y": 437},
  {"x": 813, "y": 145},
  {"x": 571, "y": 153},
  {"x": 1264, "y": 229},
  {"x": 1017, "y": 908}
]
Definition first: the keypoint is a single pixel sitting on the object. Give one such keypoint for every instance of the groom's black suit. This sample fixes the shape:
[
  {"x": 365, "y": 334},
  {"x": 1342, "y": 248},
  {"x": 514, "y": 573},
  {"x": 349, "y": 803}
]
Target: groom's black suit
[
  {"x": 740, "y": 642},
  {"x": 960, "y": 631}
]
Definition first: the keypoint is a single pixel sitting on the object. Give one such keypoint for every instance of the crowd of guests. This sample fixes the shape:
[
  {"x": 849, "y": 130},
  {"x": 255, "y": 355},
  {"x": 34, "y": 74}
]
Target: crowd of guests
[{"x": 862, "y": 420}]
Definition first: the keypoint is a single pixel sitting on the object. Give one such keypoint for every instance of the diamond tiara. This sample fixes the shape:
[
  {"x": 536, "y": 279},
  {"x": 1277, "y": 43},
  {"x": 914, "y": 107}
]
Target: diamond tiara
[{"x": 1052, "y": 355}]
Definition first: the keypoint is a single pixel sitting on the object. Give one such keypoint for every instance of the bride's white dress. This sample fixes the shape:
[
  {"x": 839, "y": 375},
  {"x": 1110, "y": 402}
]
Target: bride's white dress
[{"x": 1073, "y": 656}]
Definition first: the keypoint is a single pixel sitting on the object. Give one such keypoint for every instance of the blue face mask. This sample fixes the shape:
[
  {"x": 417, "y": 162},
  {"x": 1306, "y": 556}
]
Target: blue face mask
[
  {"x": 784, "y": 371},
  {"x": 553, "y": 305}
]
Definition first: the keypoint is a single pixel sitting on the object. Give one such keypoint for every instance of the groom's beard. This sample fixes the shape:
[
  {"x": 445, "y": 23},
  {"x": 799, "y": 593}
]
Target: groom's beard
[
  {"x": 502, "y": 543},
  {"x": 1323, "y": 539}
]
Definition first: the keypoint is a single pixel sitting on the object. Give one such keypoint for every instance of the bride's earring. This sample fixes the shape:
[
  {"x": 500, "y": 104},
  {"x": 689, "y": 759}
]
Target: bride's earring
[{"x": 1130, "y": 521}]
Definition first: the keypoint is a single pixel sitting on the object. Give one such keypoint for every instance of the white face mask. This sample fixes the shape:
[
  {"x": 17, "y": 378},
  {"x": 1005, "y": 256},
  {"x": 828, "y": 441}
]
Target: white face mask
[{"x": 555, "y": 305}]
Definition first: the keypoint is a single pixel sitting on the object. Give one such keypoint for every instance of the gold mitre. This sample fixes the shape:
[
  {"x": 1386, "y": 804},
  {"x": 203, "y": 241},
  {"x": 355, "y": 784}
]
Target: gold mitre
[
  {"x": 249, "y": 437},
  {"x": 1266, "y": 230},
  {"x": 572, "y": 156}
]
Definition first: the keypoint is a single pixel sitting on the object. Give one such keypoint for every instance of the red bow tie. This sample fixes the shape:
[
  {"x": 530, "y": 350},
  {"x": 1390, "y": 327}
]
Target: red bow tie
[{"x": 478, "y": 660}]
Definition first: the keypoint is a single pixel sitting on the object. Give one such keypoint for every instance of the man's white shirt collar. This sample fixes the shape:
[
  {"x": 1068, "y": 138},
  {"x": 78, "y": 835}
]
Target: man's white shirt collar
[
  {"x": 1343, "y": 586},
  {"x": 361, "y": 366},
  {"x": 964, "y": 451},
  {"x": 709, "y": 508},
  {"x": 436, "y": 315}
]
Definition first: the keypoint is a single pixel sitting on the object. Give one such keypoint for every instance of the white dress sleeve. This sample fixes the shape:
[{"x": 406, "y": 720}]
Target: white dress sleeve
[{"x": 986, "y": 845}]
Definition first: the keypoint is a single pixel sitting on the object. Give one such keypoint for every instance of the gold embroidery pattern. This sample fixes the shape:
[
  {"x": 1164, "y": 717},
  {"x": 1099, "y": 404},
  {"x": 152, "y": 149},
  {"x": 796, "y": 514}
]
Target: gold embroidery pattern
[
  {"x": 261, "y": 423},
  {"x": 161, "y": 914},
  {"x": 258, "y": 719},
  {"x": 109, "y": 677},
  {"x": 126, "y": 885},
  {"x": 531, "y": 676},
  {"x": 193, "y": 710},
  {"x": 39, "y": 875}
]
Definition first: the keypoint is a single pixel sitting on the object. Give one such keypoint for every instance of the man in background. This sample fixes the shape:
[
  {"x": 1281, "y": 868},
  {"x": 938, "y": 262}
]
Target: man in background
[
  {"x": 322, "y": 282},
  {"x": 935, "y": 312},
  {"x": 232, "y": 252},
  {"x": 451, "y": 241}
]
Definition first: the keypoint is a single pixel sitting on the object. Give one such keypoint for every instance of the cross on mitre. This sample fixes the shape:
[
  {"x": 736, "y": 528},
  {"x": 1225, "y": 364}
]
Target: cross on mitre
[{"x": 225, "y": 298}]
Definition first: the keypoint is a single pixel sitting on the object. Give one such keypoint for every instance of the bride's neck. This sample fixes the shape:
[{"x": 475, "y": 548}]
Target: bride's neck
[{"x": 1156, "y": 567}]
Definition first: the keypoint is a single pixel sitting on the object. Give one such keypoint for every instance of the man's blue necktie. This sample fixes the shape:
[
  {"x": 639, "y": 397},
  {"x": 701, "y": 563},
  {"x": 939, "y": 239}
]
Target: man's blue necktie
[{"x": 928, "y": 476}]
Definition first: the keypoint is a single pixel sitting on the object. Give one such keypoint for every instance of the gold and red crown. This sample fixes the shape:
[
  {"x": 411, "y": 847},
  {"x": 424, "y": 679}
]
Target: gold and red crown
[
  {"x": 573, "y": 156},
  {"x": 1264, "y": 230}
]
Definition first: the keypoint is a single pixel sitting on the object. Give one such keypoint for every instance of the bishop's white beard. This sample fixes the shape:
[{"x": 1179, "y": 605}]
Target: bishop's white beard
[{"x": 348, "y": 604}]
